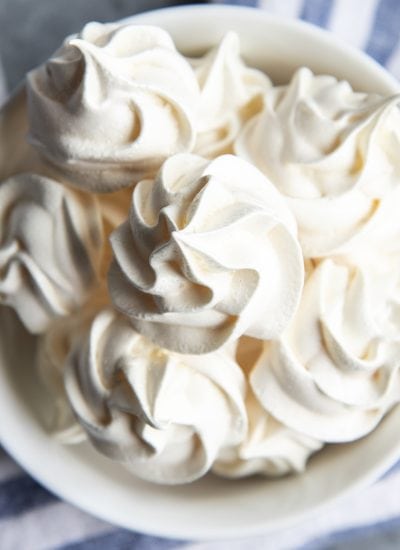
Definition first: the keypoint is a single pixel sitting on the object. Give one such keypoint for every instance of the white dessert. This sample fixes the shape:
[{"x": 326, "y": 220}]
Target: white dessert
[
  {"x": 50, "y": 249},
  {"x": 270, "y": 447},
  {"x": 16, "y": 155},
  {"x": 336, "y": 370},
  {"x": 331, "y": 151},
  {"x": 230, "y": 92},
  {"x": 112, "y": 104},
  {"x": 205, "y": 348},
  {"x": 53, "y": 349},
  {"x": 209, "y": 253},
  {"x": 144, "y": 406}
]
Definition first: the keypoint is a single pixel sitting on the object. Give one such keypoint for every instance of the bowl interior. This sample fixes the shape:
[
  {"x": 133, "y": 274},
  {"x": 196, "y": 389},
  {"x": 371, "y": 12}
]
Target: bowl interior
[
  {"x": 275, "y": 45},
  {"x": 212, "y": 507}
]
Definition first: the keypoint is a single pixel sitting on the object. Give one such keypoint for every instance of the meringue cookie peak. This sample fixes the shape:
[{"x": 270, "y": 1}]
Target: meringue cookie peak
[
  {"x": 165, "y": 416},
  {"x": 112, "y": 104},
  {"x": 50, "y": 248},
  {"x": 209, "y": 253},
  {"x": 335, "y": 372},
  {"x": 269, "y": 447},
  {"x": 330, "y": 150},
  {"x": 228, "y": 93},
  {"x": 53, "y": 350}
]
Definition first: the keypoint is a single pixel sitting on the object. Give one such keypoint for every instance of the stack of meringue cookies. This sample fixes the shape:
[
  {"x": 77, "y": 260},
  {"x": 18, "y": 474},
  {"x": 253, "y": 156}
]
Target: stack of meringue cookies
[{"x": 211, "y": 263}]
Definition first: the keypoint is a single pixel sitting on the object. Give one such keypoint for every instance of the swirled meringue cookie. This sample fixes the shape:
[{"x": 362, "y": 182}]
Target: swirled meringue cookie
[
  {"x": 165, "y": 416},
  {"x": 209, "y": 253},
  {"x": 230, "y": 92},
  {"x": 53, "y": 349},
  {"x": 330, "y": 150},
  {"x": 50, "y": 248},
  {"x": 336, "y": 371},
  {"x": 270, "y": 448},
  {"x": 112, "y": 104}
]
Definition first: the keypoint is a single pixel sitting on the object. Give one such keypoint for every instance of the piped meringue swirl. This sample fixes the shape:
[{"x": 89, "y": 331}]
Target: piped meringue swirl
[
  {"x": 209, "y": 253},
  {"x": 16, "y": 155},
  {"x": 336, "y": 370},
  {"x": 50, "y": 248},
  {"x": 330, "y": 150},
  {"x": 269, "y": 448},
  {"x": 165, "y": 416},
  {"x": 230, "y": 92},
  {"x": 54, "y": 346},
  {"x": 112, "y": 104}
]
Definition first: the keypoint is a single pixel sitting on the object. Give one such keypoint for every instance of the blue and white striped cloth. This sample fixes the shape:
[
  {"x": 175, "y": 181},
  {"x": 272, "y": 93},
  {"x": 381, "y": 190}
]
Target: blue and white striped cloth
[{"x": 33, "y": 519}]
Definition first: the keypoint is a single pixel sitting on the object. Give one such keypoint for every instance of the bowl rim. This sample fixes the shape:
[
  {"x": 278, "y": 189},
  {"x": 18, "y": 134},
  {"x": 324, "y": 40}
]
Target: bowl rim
[
  {"x": 16, "y": 447},
  {"x": 326, "y": 36}
]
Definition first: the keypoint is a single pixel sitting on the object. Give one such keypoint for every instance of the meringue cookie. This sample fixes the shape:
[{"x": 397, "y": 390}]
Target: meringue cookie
[
  {"x": 165, "y": 416},
  {"x": 334, "y": 373},
  {"x": 209, "y": 253},
  {"x": 50, "y": 248},
  {"x": 270, "y": 448},
  {"x": 54, "y": 347},
  {"x": 330, "y": 150},
  {"x": 228, "y": 96},
  {"x": 112, "y": 104}
]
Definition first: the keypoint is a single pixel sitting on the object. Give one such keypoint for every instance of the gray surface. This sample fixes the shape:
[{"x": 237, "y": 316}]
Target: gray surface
[{"x": 30, "y": 30}]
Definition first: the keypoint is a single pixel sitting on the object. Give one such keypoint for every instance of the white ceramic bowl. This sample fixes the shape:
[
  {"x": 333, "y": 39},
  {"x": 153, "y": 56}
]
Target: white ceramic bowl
[{"x": 212, "y": 507}]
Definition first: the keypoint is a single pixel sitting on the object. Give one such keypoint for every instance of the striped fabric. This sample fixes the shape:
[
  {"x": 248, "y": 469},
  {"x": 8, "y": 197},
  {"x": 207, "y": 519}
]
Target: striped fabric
[{"x": 33, "y": 519}]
